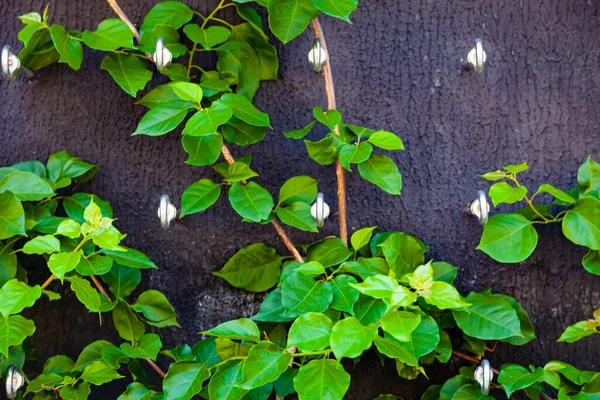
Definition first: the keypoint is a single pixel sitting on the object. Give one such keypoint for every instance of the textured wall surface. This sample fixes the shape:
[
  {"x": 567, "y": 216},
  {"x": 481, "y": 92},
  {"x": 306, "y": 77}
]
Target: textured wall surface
[{"x": 397, "y": 67}]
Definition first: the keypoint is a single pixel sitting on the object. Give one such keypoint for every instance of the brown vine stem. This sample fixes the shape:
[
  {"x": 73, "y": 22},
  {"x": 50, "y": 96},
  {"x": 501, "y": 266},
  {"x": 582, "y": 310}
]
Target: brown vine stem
[
  {"x": 331, "y": 105},
  {"x": 155, "y": 367},
  {"x": 99, "y": 287},
  {"x": 286, "y": 240},
  {"x": 123, "y": 17},
  {"x": 472, "y": 359}
]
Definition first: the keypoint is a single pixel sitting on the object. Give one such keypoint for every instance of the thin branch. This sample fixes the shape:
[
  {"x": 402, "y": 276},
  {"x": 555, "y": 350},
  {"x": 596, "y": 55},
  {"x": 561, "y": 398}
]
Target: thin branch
[
  {"x": 331, "y": 105},
  {"x": 155, "y": 367},
  {"x": 123, "y": 17},
  {"x": 99, "y": 287},
  {"x": 472, "y": 359}
]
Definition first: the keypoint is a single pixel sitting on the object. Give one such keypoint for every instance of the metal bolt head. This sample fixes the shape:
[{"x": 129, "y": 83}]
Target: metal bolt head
[
  {"x": 317, "y": 56},
  {"x": 14, "y": 382},
  {"x": 162, "y": 56},
  {"x": 484, "y": 376},
  {"x": 10, "y": 62},
  {"x": 166, "y": 211},
  {"x": 477, "y": 56},
  {"x": 480, "y": 208},
  {"x": 320, "y": 210}
]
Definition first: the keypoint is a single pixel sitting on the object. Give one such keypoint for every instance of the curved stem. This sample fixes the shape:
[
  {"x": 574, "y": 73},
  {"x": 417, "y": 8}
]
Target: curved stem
[
  {"x": 155, "y": 367},
  {"x": 331, "y": 105}
]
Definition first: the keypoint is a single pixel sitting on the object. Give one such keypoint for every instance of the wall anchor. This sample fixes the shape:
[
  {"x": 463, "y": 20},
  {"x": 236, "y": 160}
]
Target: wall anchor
[
  {"x": 317, "y": 56},
  {"x": 479, "y": 207},
  {"x": 11, "y": 65},
  {"x": 477, "y": 57},
  {"x": 484, "y": 376},
  {"x": 14, "y": 381},
  {"x": 162, "y": 56},
  {"x": 166, "y": 211},
  {"x": 320, "y": 210}
]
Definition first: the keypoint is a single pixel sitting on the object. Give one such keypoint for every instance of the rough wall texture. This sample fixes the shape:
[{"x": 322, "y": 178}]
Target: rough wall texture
[{"x": 397, "y": 67}]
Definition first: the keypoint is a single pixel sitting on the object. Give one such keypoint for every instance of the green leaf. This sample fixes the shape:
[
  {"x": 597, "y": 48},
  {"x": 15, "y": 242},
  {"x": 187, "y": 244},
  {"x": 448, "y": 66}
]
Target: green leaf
[
  {"x": 99, "y": 373},
  {"x": 61, "y": 263},
  {"x": 156, "y": 309},
  {"x": 8, "y": 262},
  {"x": 70, "y": 50},
  {"x": 39, "y": 51},
  {"x": 171, "y": 40},
  {"x": 239, "y": 62},
  {"x": 424, "y": 339},
  {"x": 310, "y": 332},
  {"x": 354, "y": 154},
  {"x": 170, "y": 13},
  {"x": 400, "y": 324},
  {"x": 383, "y": 172},
  {"x": 301, "y": 294},
  {"x": 69, "y": 228},
  {"x": 224, "y": 383},
  {"x": 322, "y": 379},
  {"x": 494, "y": 175},
  {"x": 12, "y": 216},
  {"x": 238, "y": 132},
  {"x": 82, "y": 391},
  {"x": 331, "y": 118},
  {"x": 244, "y": 109},
  {"x": 444, "y": 296},
  {"x": 203, "y": 150},
  {"x": 385, "y": 288},
  {"x": 122, "y": 280},
  {"x": 337, "y": 8},
  {"x": 322, "y": 152},
  {"x": 26, "y": 186},
  {"x": 239, "y": 329},
  {"x": 559, "y": 194},
  {"x": 188, "y": 91},
  {"x": 131, "y": 258},
  {"x": 344, "y": 295},
  {"x": 361, "y": 238},
  {"x": 298, "y": 189},
  {"x": 299, "y": 133},
  {"x": 581, "y": 224},
  {"x": 63, "y": 165},
  {"x": 199, "y": 196},
  {"x": 402, "y": 253},
  {"x": 516, "y": 168},
  {"x": 329, "y": 252},
  {"x": 114, "y": 356},
  {"x": 578, "y": 331},
  {"x": 226, "y": 349},
  {"x": 128, "y": 71},
  {"x": 471, "y": 392},
  {"x": 137, "y": 391},
  {"x": 127, "y": 323},
  {"x": 515, "y": 377},
  {"x": 163, "y": 95},
  {"x": 289, "y": 18},
  {"x": 394, "y": 349},
  {"x": 508, "y": 238},
  {"x": 253, "y": 34},
  {"x": 444, "y": 272},
  {"x": 588, "y": 176},
  {"x": 211, "y": 87},
  {"x": 488, "y": 318},
  {"x": 110, "y": 34},
  {"x": 350, "y": 338},
  {"x": 251, "y": 201},
  {"x": 208, "y": 120},
  {"x": 284, "y": 385},
  {"x": 206, "y": 351},
  {"x": 86, "y": 294},
  {"x": 43, "y": 381},
  {"x": 92, "y": 352},
  {"x": 299, "y": 216},
  {"x": 264, "y": 364},
  {"x": 591, "y": 262},
  {"x": 386, "y": 140},
  {"x": 16, "y": 296},
  {"x": 13, "y": 331},
  {"x": 184, "y": 379},
  {"x": 75, "y": 206},
  {"x": 160, "y": 120},
  {"x": 42, "y": 244},
  {"x": 148, "y": 346},
  {"x": 271, "y": 309},
  {"x": 502, "y": 192},
  {"x": 254, "y": 268},
  {"x": 239, "y": 171},
  {"x": 209, "y": 37}
]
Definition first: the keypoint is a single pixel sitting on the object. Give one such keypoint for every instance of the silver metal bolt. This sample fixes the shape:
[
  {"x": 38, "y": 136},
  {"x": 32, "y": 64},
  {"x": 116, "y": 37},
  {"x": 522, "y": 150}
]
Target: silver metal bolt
[
  {"x": 166, "y": 211},
  {"x": 162, "y": 56},
  {"x": 480, "y": 208},
  {"x": 477, "y": 56},
  {"x": 11, "y": 65},
  {"x": 317, "y": 56},
  {"x": 14, "y": 381},
  {"x": 320, "y": 210},
  {"x": 484, "y": 376}
]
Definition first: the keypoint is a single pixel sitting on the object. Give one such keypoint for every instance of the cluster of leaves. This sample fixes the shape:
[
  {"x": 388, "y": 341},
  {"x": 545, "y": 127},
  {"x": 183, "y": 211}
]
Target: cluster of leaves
[
  {"x": 570, "y": 383},
  {"x": 75, "y": 236},
  {"x": 511, "y": 237},
  {"x": 582, "y": 329}
]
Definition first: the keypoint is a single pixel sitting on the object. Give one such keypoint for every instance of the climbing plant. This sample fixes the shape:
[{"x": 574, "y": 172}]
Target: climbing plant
[{"x": 330, "y": 300}]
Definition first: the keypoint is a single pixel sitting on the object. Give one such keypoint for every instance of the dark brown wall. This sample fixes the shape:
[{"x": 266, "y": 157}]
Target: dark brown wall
[{"x": 397, "y": 67}]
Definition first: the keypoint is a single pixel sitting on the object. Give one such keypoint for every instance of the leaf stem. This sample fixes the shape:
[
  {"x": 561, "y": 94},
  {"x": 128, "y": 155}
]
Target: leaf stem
[
  {"x": 155, "y": 367},
  {"x": 331, "y": 105},
  {"x": 53, "y": 277},
  {"x": 529, "y": 202}
]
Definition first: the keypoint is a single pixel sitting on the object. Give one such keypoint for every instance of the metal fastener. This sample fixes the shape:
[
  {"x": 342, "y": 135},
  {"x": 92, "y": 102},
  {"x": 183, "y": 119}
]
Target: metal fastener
[
  {"x": 480, "y": 207},
  {"x": 320, "y": 210},
  {"x": 477, "y": 56},
  {"x": 11, "y": 65},
  {"x": 484, "y": 376},
  {"x": 166, "y": 211},
  {"x": 14, "y": 381},
  {"x": 317, "y": 56},
  {"x": 162, "y": 56}
]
